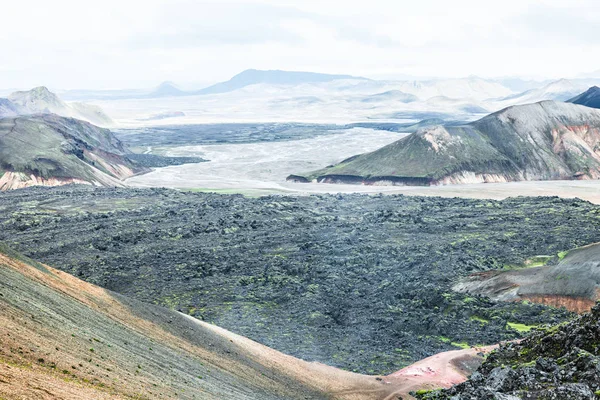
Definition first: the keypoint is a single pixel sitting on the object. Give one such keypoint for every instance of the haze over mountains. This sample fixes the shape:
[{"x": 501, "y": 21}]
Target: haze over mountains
[
  {"x": 461, "y": 154},
  {"x": 40, "y": 100},
  {"x": 284, "y": 96},
  {"x": 269, "y": 96}
]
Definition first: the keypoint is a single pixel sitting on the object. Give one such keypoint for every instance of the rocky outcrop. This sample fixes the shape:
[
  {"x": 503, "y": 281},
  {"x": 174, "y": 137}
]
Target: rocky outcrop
[
  {"x": 558, "y": 363},
  {"x": 542, "y": 141}
]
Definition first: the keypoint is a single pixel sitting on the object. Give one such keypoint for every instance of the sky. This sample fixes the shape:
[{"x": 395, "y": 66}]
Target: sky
[{"x": 111, "y": 44}]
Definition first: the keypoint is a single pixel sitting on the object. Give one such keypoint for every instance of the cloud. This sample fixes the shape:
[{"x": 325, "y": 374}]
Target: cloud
[
  {"x": 134, "y": 43},
  {"x": 188, "y": 24},
  {"x": 562, "y": 24}
]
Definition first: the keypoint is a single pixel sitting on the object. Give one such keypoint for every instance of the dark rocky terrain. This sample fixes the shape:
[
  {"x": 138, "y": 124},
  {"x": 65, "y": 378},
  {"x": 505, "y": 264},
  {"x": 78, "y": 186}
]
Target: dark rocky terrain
[
  {"x": 61, "y": 338},
  {"x": 47, "y": 149},
  {"x": 156, "y": 161},
  {"x": 589, "y": 98},
  {"x": 359, "y": 282},
  {"x": 557, "y": 363},
  {"x": 543, "y": 141},
  {"x": 199, "y": 134}
]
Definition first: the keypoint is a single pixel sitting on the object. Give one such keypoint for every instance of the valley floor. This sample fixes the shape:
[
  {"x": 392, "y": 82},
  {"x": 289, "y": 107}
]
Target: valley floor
[
  {"x": 262, "y": 168},
  {"x": 358, "y": 282},
  {"x": 63, "y": 338}
]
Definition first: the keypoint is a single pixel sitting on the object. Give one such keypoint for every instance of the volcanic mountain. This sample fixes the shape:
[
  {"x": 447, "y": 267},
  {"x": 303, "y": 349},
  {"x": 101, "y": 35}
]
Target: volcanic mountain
[
  {"x": 589, "y": 98},
  {"x": 51, "y": 150},
  {"x": 542, "y": 141},
  {"x": 42, "y": 101}
]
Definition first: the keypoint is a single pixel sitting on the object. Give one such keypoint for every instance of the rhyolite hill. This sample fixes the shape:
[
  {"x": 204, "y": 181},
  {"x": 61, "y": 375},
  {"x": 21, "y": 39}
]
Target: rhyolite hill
[
  {"x": 589, "y": 98},
  {"x": 571, "y": 283},
  {"x": 542, "y": 141},
  {"x": 50, "y": 150}
]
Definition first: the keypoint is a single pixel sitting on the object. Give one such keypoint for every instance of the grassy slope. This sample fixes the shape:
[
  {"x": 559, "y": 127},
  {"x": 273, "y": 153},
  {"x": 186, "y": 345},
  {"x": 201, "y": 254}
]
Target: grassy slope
[
  {"x": 405, "y": 158},
  {"x": 54, "y": 147}
]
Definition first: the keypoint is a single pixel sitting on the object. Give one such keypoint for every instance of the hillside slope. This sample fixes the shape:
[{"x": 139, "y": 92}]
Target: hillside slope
[
  {"x": 541, "y": 141},
  {"x": 51, "y": 150},
  {"x": 63, "y": 338},
  {"x": 589, "y": 98},
  {"x": 9, "y": 109},
  {"x": 73, "y": 339},
  {"x": 571, "y": 283}
]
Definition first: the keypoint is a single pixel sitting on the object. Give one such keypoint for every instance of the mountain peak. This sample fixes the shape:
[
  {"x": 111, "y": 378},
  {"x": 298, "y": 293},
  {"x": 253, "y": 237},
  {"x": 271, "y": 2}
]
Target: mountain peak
[
  {"x": 40, "y": 100},
  {"x": 167, "y": 84},
  {"x": 166, "y": 89},
  {"x": 589, "y": 98},
  {"x": 273, "y": 77},
  {"x": 37, "y": 93}
]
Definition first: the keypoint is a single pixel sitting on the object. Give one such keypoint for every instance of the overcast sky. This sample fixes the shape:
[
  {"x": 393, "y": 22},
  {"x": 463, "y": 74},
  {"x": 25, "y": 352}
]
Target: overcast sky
[{"x": 105, "y": 44}]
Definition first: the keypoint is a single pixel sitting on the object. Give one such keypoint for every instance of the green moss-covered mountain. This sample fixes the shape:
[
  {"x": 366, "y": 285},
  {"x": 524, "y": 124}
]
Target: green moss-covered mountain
[
  {"x": 542, "y": 141},
  {"x": 52, "y": 150},
  {"x": 560, "y": 363}
]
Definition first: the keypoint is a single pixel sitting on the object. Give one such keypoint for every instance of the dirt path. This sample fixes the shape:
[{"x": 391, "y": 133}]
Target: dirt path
[{"x": 442, "y": 370}]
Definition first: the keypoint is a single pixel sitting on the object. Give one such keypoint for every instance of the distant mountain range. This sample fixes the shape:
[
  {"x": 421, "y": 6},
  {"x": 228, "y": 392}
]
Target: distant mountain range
[
  {"x": 542, "y": 141},
  {"x": 283, "y": 96},
  {"x": 50, "y": 150},
  {"x": 515, "y": 91},
  {"x": 246, "y": 78},
  {"x": 390, "y": 95},
  {"x": 272, "y": 77},
  {"x": 40, "y": 100},
  {"x": 560, "y": 90}
]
